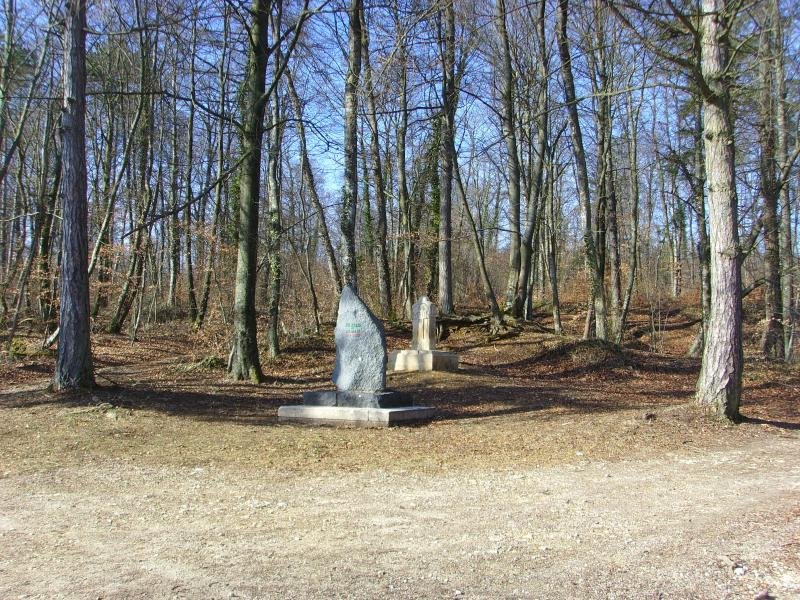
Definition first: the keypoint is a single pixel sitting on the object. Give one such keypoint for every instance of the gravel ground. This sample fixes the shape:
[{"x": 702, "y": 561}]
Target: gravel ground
[{"x": 711, "y": 524}]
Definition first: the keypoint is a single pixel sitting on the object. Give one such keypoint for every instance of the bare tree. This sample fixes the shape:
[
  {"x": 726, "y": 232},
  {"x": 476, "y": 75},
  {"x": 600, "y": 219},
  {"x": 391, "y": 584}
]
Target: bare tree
[
  {"x": 593, "y": 272},
  {"x": 381, "y": 256},
  {"x": 244, "y": 362},
  {"x": 720, "y": 383},
  {"x": 350, "y": 192},
  {"x": 74, "y": 361}
]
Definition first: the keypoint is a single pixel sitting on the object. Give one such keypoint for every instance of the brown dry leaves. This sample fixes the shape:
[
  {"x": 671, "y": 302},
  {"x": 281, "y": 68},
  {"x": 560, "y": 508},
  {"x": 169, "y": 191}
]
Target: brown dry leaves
[{"x": 527, "y": 400}]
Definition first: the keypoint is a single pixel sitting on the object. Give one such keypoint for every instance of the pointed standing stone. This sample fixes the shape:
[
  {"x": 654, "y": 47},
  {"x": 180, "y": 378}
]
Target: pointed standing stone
[{"x": 360, "y": 347}]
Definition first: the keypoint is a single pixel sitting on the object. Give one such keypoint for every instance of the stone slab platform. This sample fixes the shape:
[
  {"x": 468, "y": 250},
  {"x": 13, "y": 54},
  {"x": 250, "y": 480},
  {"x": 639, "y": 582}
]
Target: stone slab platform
[
  {"x": 355, "y": 416},
  {"x": 383, "y": 399},
  {"x": 422, "y": 360}
]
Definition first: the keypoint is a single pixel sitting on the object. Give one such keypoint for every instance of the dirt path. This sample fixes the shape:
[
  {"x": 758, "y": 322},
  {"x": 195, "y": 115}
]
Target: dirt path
[{"x": 707, "y": 524}]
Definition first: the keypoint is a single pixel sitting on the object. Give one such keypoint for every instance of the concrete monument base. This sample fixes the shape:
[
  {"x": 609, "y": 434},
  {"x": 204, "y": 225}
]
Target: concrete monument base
[
  {"x": 355, "y": 416},
  {"x": 422, "y": 360}
]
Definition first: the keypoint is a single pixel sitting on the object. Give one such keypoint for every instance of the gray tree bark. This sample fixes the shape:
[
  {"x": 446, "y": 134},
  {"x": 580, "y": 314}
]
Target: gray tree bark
[
  {"x": 535, "y": 196},
  {"x": 74, "y": 361},
  {"x": 350, "y": 192},
  {"x": 597, "y": 291},
  {"x": 772, "y": 341},
  {"x": 507, "y": 119},
  {"x": 244, "y": 362},
  {"x": 447, "y": 158},
  {"x": 381, "y": 256},
  {"x": 720, "y": 382}
]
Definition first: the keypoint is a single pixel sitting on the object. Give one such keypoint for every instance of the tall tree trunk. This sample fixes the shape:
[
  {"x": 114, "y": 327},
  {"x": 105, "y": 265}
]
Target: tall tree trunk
[
  {"x": 143, "y": 192},
  {"x": 274, "y": 215},
  {"x": 477, "y": 244},
  {"x": 408, "y": 284},
  {"x": 39, "y": 223},
  {"x": 633, "y": 192},
  {"x": 720, "y": 382},
  {"x": 551, "y": 225},
  {"x": 46, "y": 300},
  {"x": 507, "y": 118},
  {"x": 187, "y": 212},
  {"x": 615, "y": 277},
  {"x": 244, "y": 362},
  {"x": 350, "y": 198},
  {"x": 703, "y": 248},
  {"x": 535, "y": 196},
  {"x": 597, "y": 291},
  {"x": 607, "y": 226},
  {"x": 74, "y": 361},
  {"x": 785, "y": 239},
  {"x": 447, "y": 157},
  {"x": 174, "y": 226},
  {"x": 223, "y": 80},
  {"x": 381, "y": 256},
  {"x": 772, "y": 342}
]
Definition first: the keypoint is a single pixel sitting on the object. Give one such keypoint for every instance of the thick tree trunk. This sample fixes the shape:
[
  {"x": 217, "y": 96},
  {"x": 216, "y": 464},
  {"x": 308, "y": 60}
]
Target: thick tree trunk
[
  {"x": 74, "y": 361},
  {"x": 244, "y": 362},
  {"x": 720, "y": 382}
]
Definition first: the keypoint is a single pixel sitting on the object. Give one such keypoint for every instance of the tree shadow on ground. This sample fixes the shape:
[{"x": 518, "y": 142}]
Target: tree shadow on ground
[
  {"x": 494, "y": 401},
  {"x": 247, "y": 404},
  {"x": 581, "y": 357},
  {"x": 772, "y": 423}
]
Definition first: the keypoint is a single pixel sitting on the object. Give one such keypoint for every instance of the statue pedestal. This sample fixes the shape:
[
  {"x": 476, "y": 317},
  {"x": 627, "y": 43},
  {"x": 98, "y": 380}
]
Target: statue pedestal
[
  {"x": 422, "y": 360},
  {"x": 354, "y": 416}
]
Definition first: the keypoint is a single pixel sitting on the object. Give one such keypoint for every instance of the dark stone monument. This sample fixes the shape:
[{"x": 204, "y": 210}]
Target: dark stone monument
[
  {"x": 360, "y": 396},
  {"x": 360, "y": 369}
]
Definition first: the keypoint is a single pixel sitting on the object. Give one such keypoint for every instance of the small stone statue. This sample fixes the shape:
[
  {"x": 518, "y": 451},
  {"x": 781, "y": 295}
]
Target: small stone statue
[{"x": 423, "y": 355}]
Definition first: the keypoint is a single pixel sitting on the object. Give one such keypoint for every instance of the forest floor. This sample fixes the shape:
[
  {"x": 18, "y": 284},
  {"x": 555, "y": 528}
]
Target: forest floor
[{"x": 555, "y": 469}]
